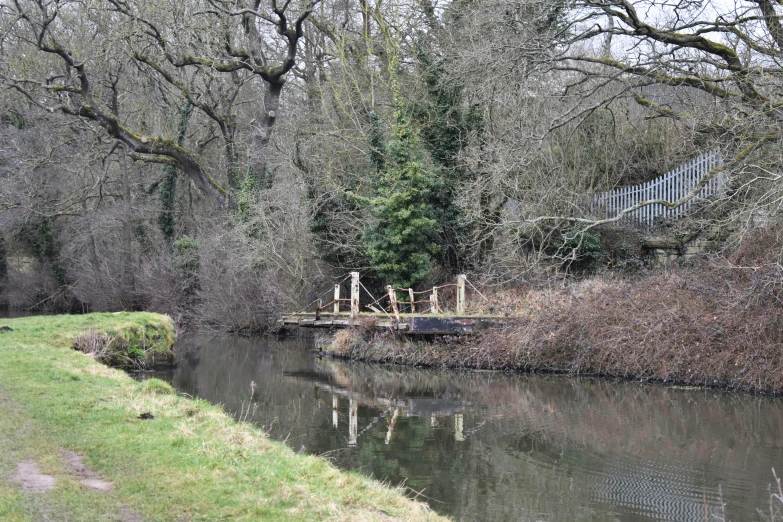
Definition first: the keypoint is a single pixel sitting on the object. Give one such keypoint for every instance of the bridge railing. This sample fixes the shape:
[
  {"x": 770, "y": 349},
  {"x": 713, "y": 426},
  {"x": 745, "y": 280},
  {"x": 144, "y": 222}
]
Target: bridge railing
[
  {"x": 389, "y": 303},
  {"x": 671, "y": 187}
]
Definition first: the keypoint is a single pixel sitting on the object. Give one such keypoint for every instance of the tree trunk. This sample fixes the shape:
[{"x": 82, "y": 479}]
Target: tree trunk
[
  {"x": 234, "y": 179},
  {"x": 94, "y": 259},
  {"x": 264, "y": 129},
  {"x": 126, "y": 249},
  {"x": 168, "y": 191},
  {"x": 3, "y": 274}
]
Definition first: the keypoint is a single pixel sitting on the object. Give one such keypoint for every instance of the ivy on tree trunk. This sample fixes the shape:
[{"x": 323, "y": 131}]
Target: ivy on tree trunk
[
  {"x": 168, "y": 191},
  {"x": 403, "y": 237}
]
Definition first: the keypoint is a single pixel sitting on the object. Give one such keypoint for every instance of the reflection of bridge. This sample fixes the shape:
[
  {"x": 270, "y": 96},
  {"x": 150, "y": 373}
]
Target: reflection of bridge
[
  {"x": 638, "y": 486},
  {"x": 401, "y": 309},
  {"x": 396, "y": 411},
  {"x": 432, "y": 408},
  {"x": 410, "y": 407},
  {"x": 643, "y": 451}
]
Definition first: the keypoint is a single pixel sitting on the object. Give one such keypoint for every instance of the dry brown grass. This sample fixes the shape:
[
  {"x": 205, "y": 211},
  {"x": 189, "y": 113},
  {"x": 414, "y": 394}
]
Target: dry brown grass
[
  {"x": 714, "y": 324},
  {"x": 101, "y": 346}
]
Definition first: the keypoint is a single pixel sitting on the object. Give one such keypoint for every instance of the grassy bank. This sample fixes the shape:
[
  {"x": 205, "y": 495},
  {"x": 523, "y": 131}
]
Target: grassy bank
[
  {"x": 72, "y": 445},
  {"x": 706, "y": 325}
]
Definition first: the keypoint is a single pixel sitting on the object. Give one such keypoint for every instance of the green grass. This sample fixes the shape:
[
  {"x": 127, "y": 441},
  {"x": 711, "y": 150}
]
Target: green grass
[{"x": 191, "y": 462}]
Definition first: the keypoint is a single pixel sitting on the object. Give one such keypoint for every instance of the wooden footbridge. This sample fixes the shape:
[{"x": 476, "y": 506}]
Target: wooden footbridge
[{"x": 400, "y": 309}]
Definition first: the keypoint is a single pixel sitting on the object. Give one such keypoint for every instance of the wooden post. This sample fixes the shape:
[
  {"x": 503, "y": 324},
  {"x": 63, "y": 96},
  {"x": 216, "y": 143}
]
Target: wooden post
[
  {"x": 354, "y": 294},
  {"x": 413, "y": 306},
  {"x": 318, "y": 305},
  {"x": 393, "y": 301},
  {"x": 434, "y": 301},
  {"x": 336, "y": 299},
  {"x": 461, "y": 294}
]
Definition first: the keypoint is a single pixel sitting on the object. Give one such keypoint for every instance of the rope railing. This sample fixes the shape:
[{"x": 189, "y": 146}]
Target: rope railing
[
  {"x": 377, "y": 301},
  {"x": 414, "y": 293},
  {"x": 332, "y": 302},
  {"x": 314, "y": 301},
  {"x": 373, "y": 297},
  {"x": 446, "y": 286},
  {"x": 386, "y": 296},
  {"x": 391, "y": 303}
]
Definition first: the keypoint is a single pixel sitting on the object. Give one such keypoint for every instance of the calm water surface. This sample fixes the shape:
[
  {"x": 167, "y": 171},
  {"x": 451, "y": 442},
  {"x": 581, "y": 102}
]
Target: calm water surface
[{"x": 487, "y": 446}]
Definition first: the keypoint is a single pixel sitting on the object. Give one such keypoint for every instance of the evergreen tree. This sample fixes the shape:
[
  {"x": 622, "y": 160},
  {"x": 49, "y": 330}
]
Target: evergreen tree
[{"x": 403, "y": 238}]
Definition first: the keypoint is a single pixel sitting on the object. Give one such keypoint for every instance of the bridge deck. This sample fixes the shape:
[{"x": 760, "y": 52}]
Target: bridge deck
[{"x": 426, "y": 324}]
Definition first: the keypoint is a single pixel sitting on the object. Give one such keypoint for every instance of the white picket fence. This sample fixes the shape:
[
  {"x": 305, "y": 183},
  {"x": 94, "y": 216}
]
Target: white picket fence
[{"x": 669, "y": 187}]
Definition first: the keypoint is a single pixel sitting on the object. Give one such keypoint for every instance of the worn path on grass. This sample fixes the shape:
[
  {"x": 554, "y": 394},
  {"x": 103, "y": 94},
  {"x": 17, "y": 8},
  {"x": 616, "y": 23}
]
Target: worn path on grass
[
  {"x": 72, "y": 447},
  {"x": 39, "y": 481}
]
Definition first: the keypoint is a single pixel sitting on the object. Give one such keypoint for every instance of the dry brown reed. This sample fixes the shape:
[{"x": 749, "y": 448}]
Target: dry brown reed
[
  {"x": 100, "y": 345},
  {"x": 712, "y": 324}
]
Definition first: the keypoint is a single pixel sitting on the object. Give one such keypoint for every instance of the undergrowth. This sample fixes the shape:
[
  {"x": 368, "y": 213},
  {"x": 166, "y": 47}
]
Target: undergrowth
[{"x": 715, "y": 323}]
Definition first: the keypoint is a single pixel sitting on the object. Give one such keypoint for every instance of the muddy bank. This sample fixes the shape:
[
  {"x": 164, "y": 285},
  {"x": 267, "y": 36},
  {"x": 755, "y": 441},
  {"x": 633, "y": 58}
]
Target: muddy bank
[{"x": 682, "y": 327}]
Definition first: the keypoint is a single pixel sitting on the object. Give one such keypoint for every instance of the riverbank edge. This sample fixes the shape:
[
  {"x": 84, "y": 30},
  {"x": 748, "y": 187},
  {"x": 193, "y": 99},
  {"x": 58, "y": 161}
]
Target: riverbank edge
[
  {"x": 706, "y": 325},
  {"x": 185, "y": 459},
  {"x": 468, "y": 352},
  {"x": 146, "y": 341}
]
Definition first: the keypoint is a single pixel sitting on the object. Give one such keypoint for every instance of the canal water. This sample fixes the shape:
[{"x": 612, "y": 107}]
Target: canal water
[{"x": 491, "y": 446}]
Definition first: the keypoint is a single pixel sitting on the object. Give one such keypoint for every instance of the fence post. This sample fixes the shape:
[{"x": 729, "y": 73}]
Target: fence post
[
  {"x": 318, "y": 305},
  {"x": 434, "y": 300},
  {"x": 461, "y": 294},
  {"x": 336, "y": 299},
  {"x": 354, "y": 294},
  {"x": 413, "y": 306},
  {"x": 391, "y": 425},
  {"x": 393, "y": 301}
]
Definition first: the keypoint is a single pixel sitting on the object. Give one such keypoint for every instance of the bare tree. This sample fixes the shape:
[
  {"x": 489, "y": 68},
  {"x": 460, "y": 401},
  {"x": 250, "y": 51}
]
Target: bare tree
[
  {"x": 205, "y": 53},
  {"x": 712, "y": 68},
  {"x": 657, "y": 81}
]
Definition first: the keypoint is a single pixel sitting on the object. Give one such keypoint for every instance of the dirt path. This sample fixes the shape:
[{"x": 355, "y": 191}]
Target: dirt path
[
  {"x": 36, "y": 476},
  {"x": 31, "y": 479},
  {"x": 86, "y": 476}
]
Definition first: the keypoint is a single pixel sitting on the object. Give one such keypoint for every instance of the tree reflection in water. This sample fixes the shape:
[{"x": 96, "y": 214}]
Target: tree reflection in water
[{"x": 489, "y": 446}]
